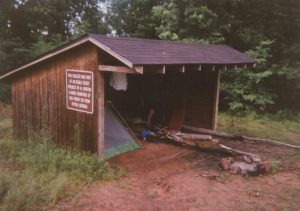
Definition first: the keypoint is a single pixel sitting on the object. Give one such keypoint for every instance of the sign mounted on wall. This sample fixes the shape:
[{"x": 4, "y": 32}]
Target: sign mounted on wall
[{"x": 80, "y": 90}]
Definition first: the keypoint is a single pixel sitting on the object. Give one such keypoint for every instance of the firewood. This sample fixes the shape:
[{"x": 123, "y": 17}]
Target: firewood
[
  {"x": 210, "y": 132},
  {"x": 270, "y": 142},
  {"x": 231, "y": 150},
  {"x": 194, "y": 136},
  {"x": 235, "y": 137}
]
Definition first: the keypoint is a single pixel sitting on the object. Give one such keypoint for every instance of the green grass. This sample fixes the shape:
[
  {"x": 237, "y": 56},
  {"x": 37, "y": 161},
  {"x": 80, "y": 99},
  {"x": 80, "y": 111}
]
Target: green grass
[
  {"x": 271, "y": 127},
  {"x": 35, "y": 173}
]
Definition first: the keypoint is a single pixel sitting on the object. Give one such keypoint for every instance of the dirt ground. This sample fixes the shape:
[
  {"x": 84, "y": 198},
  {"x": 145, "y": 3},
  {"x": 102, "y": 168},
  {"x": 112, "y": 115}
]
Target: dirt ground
[{"x": 167, "y": 177}]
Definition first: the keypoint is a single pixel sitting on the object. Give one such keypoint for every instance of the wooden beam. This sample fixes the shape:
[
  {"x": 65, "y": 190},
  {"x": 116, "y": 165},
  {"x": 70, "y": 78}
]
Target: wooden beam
[
  {"x": 100, "y": 115},
  {"x": 119, "y": 69},
  {"x": 215, "y": 105},
  {"x": 139, "y": 69},
  {"x": 111, "y": 52}
]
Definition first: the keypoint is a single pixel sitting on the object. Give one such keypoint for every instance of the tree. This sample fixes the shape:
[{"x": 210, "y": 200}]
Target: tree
[
  {"x": 187, "y": 20},
  {"x": 132, "y": 17},
  {"x": 31, "y": 27},
  {"x": 245, "y": 89}
]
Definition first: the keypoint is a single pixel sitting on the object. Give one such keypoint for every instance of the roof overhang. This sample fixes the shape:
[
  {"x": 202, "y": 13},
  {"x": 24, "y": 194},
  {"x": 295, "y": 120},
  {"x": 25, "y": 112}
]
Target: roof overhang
[{"x": 131, "y": 66}]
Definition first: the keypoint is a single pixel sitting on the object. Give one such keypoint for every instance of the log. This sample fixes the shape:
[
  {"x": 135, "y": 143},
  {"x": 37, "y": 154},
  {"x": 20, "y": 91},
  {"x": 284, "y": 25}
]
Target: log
[
  {"x": 231, "y": 150},
  {"x": 194, "y": 136},
  {"x": 188, "y": 139},
  {"x": 199, "y": 141},
  {"x": 270, "y": 142},
  {"x": 210, "y": 132},
  {"x": 231, "y": 136}
]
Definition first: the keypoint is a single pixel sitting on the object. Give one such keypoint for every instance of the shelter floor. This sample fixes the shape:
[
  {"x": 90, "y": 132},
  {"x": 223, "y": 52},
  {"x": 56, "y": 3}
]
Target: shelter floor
[{"x": 167, "y": 177}]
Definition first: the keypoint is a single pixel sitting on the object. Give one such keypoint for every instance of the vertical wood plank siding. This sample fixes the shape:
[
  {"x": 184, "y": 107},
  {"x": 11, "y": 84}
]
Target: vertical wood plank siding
[{"x": 39, "y": 100}]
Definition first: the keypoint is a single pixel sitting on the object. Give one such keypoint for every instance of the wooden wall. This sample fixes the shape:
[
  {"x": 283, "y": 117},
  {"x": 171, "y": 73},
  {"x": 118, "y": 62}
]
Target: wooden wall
[
  {"x": 39, "y": 100},
  {"x": 201, "y": 103}
]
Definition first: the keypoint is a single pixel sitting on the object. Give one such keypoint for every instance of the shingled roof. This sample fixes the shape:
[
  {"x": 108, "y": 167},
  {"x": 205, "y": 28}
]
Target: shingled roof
[
  {"x": 137, "y": 51},
  {"x": 147, "y": 51}
]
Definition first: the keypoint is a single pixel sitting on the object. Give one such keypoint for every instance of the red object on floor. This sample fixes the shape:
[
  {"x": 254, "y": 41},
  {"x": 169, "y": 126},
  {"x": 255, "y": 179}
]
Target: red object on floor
[{"x": 177, "y": 119}]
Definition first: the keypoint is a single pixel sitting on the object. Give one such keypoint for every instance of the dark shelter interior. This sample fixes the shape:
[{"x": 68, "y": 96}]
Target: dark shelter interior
[
  {"x": 168, "y": 94},
  {"x": 169, "y": 99}
]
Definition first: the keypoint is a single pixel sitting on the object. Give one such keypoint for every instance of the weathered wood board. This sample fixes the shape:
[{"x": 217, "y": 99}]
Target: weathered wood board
[{"x": 39, "y": 100}]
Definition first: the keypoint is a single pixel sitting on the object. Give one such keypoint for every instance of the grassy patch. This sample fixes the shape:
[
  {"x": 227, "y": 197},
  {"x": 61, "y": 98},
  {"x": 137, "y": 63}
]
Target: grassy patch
[
  {"x": 35, "y": 173},
  {"x": 272, "y": 127}
]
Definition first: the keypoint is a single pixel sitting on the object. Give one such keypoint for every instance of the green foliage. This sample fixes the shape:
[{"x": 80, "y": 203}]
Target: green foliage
[
  {"x": 132, "y": 17},
  {"x": 244, "y": 89},
  {"x": 39, "y": 47},
  {"x": 28, "y": 28},
  {"x": 4, "y": 93},
  {"x": 27, "y": 191},
  {"x": 269, "y": 28},
  {"x": 44, "y": 157},
  {"x": 36, "y": 172},
  {"x": 279, "y": 127},
  {"x": 190, "y": 21}
]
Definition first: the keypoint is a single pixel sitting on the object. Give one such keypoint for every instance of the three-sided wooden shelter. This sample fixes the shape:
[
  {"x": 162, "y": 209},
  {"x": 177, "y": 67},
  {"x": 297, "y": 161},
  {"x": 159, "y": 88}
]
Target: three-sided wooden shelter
[{"x": 66, "y": 89}]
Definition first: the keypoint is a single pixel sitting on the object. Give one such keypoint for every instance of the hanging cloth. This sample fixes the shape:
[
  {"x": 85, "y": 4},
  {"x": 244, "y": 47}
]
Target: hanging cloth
[{"x": 118, "y": 81}]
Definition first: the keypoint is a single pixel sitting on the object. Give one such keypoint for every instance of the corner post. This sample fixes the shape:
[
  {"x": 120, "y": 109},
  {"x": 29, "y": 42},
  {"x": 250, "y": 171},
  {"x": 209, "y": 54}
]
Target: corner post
[
  {"x": 215, "y": 105},
  {"x": 100, "y": 114}
]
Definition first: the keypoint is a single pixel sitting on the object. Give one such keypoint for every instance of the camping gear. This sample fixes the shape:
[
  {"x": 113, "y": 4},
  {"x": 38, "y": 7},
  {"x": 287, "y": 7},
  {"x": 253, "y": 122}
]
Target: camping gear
[{"x": 118, "y": 138}]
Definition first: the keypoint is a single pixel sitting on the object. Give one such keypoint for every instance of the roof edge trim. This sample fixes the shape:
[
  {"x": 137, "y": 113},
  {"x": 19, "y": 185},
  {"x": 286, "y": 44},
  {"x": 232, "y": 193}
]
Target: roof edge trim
[
  {"x": 68, "y": 47},
  {"x": 110, "y": 51}
]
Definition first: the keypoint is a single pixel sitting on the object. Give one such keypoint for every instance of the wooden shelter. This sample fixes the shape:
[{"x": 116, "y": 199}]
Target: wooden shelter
[{"x": 65, "y": 90}]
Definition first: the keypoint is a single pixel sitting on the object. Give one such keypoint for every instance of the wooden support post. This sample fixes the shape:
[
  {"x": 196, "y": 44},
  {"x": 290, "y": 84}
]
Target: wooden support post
[
  {"x": 213, "y": 68},
  {"x": 101, "y": 112},
  {"x": 164, "y": 69},
  {"x": 215, "y": 105}
]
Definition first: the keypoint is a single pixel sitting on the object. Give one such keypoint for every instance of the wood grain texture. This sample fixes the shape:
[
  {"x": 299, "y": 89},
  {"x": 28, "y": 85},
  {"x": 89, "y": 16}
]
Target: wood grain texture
[{"x": 39, "y": 100}]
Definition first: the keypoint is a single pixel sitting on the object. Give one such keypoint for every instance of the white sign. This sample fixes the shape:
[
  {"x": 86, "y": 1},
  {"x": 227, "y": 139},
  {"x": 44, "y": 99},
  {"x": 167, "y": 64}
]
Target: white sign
[{"x": 80, "y": 90}]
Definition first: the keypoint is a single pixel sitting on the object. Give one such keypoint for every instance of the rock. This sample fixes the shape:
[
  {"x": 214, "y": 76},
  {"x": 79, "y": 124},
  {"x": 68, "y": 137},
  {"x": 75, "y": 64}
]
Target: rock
[
  {"x": 225, "y": 162},
  {"x": 215, "y": 141},
  {"x": 235, "y": 170},
  {"x": 256, "y": 159},
  {"x": 247, "y": 159},
  {"x": 266, "y": 166},
  {"x": 245, "y": 168}
]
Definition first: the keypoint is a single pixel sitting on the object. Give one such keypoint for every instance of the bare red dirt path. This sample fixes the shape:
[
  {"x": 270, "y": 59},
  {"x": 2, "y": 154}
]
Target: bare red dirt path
[{"x": 166, "y": 177}]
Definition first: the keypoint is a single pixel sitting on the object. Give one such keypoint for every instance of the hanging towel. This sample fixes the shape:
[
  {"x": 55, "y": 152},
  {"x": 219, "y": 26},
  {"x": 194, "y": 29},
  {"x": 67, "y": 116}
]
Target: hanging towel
[{"x": 118, "y": 81}]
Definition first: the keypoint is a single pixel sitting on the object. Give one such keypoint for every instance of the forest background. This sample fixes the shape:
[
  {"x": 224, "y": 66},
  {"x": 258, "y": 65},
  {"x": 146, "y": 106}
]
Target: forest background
[{"x": 267, "y": 30}]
